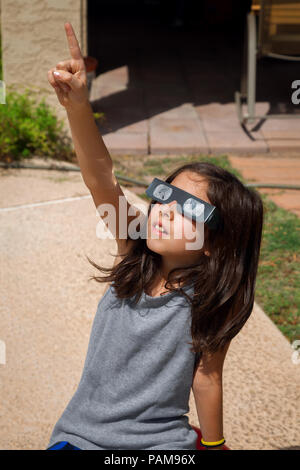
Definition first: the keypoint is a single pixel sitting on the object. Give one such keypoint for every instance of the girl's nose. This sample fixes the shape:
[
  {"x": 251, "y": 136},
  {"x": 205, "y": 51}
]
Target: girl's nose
[{"x": 168, "y": 209}]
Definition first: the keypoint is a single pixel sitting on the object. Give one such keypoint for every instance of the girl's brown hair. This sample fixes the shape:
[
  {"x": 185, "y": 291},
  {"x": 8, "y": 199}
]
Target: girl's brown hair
[{"x": 224, "y": 282}]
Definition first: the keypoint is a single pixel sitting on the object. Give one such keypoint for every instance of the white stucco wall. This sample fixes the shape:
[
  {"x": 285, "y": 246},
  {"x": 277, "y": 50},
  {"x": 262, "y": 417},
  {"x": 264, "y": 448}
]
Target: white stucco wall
[{"x": 34, "y": 40}]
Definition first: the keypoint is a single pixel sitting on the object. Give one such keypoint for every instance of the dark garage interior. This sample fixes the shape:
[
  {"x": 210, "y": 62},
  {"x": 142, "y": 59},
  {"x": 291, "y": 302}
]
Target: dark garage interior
[{"x": 176, "y": 52}]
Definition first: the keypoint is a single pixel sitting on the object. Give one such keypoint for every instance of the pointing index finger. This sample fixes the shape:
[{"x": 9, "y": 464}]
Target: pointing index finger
[{"x": 73, "y": 43}]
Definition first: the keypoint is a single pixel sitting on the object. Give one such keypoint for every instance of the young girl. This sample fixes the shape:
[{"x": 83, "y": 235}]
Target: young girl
[{"x": 139, "y": 369}]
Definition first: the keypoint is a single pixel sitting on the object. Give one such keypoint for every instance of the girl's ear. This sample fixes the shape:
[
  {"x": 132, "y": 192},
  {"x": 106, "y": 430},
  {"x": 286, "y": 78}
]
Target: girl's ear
[{"x": 207, "y": 253}]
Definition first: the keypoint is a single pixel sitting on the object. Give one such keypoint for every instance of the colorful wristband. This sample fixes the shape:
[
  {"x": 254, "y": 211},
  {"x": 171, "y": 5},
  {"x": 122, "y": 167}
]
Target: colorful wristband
[{"x": 212, "y": 444}]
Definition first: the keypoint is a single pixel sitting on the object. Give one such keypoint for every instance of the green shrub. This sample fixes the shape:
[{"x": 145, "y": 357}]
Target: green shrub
[{"x": 30, "y": 128}]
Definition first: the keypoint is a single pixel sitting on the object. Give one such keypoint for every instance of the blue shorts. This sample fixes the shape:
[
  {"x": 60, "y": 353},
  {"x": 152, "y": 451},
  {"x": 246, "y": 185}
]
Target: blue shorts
[{"x": 63, "y": 445}]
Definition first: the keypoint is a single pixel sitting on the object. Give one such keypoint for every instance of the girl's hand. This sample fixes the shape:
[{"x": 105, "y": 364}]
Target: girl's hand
[{"x": 68, "y": 78}]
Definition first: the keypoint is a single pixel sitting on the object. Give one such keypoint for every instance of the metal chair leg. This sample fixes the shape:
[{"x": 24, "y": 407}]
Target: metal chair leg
[
  {"x": 243, "y": 86},
  {"x": 251, "y": 72},
  {"x": 248, "y": 73}
]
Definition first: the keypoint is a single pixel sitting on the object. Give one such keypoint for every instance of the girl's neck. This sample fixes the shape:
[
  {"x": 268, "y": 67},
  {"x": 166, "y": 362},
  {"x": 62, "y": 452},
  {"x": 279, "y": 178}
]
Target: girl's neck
[{"x": 158, "y": 287}]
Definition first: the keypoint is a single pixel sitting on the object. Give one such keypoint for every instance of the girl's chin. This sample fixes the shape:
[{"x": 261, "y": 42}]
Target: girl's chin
[{"x": 156, "y": 244}]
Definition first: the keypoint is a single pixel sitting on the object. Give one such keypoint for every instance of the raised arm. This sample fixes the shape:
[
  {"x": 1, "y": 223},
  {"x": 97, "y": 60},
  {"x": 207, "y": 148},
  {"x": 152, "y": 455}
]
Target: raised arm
[{"x": 68, "y": 79}]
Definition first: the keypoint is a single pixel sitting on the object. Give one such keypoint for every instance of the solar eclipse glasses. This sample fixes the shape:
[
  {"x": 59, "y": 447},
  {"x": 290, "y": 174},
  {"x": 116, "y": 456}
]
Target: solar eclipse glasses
[{"x": 188, "y": 205}]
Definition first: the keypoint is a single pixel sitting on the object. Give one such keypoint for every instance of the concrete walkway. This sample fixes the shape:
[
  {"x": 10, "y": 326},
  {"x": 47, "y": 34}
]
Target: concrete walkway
[
  {"x": 48, "y": 306},
  {"x": 172, "y": 92}
]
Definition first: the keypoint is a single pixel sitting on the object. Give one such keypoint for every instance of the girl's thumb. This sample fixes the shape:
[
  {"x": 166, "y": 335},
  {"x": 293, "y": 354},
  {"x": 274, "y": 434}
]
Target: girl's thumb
[
  {"x": 67, "y": 78},
  {"x": 57, "y": 74}
]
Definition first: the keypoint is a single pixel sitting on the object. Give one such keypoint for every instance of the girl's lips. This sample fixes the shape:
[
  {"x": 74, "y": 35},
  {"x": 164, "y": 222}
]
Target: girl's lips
[{"x": 158, "y": 231}]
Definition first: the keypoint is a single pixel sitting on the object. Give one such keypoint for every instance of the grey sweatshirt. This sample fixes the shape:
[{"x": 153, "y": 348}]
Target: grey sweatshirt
[{"x": 137, "y": 377}]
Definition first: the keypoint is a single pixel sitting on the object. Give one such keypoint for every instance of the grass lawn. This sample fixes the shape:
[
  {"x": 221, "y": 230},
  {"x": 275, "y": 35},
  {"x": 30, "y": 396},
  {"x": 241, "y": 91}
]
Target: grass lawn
[{"x": 278, "y": 278}]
